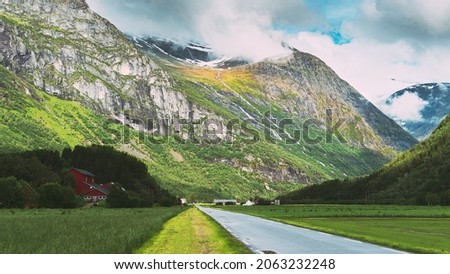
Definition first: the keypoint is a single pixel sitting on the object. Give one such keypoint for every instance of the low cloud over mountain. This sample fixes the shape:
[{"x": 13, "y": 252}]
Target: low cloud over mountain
[{"x": 368, "y": 43}]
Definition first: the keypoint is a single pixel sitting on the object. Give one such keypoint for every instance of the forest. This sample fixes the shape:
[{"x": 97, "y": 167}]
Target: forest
[
  {"x": 420, "y": 176},
  {"x": 41, "y": 178}
]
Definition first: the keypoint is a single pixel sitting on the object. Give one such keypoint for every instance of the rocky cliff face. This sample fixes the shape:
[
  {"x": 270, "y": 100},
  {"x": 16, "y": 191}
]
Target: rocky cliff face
[
  {"x": 306, "y": 87},
  {"x": 67, "y": 50}
]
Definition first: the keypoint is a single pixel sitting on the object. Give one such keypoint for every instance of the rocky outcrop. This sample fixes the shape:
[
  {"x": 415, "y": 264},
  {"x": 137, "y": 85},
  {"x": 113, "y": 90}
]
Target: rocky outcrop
[
  {"x": 306, "y": 87},
  {"x": 278, "y": 171},
  {"x": 67, "y": 50}
]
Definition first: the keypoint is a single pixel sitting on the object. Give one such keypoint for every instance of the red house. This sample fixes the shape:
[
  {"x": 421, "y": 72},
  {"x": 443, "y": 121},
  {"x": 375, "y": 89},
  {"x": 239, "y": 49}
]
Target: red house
[{"x": 86, "y": 186}]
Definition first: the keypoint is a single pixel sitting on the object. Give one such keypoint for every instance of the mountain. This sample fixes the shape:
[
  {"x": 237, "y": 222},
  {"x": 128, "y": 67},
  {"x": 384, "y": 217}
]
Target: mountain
[
  {"x": 189, "y": 52},
  {"x": 418, "y": 176},
  {"x": 253, "y": 130},
  {"x": 303, "y": 84},
  {"x": 433, "y": 106}
]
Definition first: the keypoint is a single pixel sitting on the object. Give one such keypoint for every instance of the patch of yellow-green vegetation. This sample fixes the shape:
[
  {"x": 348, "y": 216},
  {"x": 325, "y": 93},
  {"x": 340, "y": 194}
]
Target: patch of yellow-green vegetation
[
  {"x": 13, "y": 20},
  {"x": 416, "y": 229},
  {"x": 204, "y": 75},
  {"x": 192, "y": 232},
  {"x": 239, "y": 80},
  {"x": 198, "y": 92}
]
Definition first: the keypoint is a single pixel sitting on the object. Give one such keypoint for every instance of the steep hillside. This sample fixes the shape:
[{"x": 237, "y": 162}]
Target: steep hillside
[
  {"x": 433, "y": 107},
  {"x": 204, "y": 132},
  {"x": 304, "y": 84},
  {"x": 32, "y": 119},
  {"x": 418, "y": 176}
]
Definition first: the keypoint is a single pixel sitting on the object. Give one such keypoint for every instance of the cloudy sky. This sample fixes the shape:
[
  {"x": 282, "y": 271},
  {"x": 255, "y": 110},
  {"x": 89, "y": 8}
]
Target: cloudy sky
[{"x": 378, "y": 46}]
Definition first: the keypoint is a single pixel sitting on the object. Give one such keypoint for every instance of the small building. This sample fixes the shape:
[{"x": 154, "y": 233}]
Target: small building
[
  {"x": 86, "y": 187},
  {"x": 249, "y": 203},
  {"x": 225, "y": 202}
]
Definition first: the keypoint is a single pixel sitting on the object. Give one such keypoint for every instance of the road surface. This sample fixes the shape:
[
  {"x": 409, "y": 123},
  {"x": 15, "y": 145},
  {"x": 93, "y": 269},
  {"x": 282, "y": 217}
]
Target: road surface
[{"x": 265, "y": 236}]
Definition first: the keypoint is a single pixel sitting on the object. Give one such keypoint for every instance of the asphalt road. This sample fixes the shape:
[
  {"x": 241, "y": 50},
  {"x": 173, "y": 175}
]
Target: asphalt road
[{"x": 263, "y": 236}]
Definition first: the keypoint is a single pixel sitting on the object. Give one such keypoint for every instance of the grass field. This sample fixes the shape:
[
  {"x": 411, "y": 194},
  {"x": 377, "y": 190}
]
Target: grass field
[
  {"x": 80, "y": 231},
  {"x": 410, "y": 228},
  {"x": 192, "y": 232}
]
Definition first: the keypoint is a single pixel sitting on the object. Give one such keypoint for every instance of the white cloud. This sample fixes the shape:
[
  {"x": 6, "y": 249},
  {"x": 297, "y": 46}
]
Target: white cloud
[
  {"x": 406, "y": 107},
  {"x": 378, "y": 69},
  {"x": 420, "y": 22},
  {"x": 232, "y": 32},
  {"x": 405, "y": 40},
  {"x": 234, "y": 28}
]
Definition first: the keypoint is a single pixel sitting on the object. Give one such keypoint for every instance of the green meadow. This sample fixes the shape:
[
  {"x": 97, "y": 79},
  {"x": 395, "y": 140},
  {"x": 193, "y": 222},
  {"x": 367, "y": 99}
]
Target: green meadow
[
  {"x": 413, "y": 229},
  {"x": 80, "y": 231}
]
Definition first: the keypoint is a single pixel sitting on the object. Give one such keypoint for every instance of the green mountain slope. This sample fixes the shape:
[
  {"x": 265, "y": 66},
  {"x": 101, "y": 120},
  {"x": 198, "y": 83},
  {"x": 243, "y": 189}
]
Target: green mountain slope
[
  {"x": 418, "y": 176},
  {"x": 70, "y": 78},
  {"x": 31, "y": 119}
]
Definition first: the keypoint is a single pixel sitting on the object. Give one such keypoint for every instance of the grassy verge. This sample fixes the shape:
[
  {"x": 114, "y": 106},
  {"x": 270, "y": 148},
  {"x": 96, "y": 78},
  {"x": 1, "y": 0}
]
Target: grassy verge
[
  {"x": 81, "y": 231},
  {"x": 192, "y": 232},
  {"x": 427, "y": 236},
  {"x": 410, "y": 228}
]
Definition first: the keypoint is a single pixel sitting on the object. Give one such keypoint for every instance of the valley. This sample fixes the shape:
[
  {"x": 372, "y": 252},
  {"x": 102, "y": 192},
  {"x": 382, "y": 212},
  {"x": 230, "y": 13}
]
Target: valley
[
  {"x": 150, "y": 107},
  {"x": 170, "y": 124}
]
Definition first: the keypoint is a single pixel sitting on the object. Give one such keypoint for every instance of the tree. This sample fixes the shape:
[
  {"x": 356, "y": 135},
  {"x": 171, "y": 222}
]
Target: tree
[
  {"x": 52, "y": 195},
  {"x": 167, "y": 202},
  {"x": 118, "y": 197},
  {"x": 432, "y": 199},
  {"x": 67, "y": 179},
  {"x": 11, "y": 193}
]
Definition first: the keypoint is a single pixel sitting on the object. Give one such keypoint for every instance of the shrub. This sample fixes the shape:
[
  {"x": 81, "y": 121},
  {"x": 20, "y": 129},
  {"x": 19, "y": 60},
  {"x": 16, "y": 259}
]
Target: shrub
[
  {"x": 11, "y": 193},
  {"x": 118, "y": 197},
  {"x": 167, "y": 202},
  {"x": 52, "y": 195}
]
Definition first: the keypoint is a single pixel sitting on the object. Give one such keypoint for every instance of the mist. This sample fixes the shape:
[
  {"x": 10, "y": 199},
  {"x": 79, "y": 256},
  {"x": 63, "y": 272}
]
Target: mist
[
  {"x": 252, "y": 29},
  {"x": 386, "y": 39}
]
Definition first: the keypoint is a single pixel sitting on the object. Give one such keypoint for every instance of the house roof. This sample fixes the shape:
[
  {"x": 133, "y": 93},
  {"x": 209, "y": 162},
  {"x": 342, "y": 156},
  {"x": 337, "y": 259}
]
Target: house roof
[
  {"x": 99, "y": 188},
  {"x": 85, "y": 172}
]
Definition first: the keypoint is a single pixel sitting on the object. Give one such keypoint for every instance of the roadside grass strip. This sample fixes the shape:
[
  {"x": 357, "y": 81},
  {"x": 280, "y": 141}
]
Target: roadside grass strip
[{"x": 192, "y": 232}]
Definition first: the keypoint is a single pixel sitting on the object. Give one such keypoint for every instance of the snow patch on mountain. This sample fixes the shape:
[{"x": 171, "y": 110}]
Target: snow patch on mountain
[
  {"x": 190, "y": 52},
  {"x": 419, "y": 109}
]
